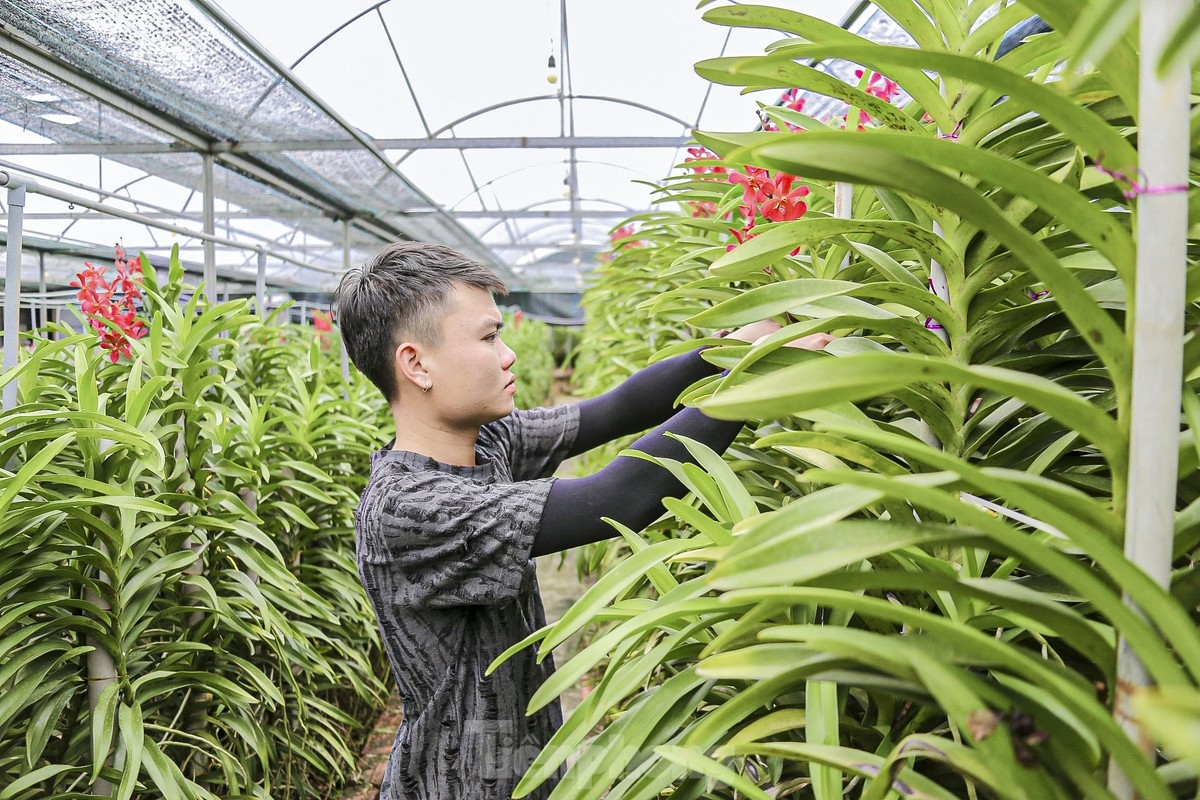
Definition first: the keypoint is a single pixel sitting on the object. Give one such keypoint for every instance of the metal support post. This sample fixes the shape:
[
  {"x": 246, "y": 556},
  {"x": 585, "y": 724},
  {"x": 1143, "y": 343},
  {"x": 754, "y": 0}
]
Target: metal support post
[
  {"x": 44, "y": 311},
  {"x": 210, "y": 228},
  {"x": 260, "y": 283},
  {"x": 12, "y": 280},
  {"x": 345, "y": 269},
  {"x": 1158, "y": 329},
  {"x": 843, "y": 208}
]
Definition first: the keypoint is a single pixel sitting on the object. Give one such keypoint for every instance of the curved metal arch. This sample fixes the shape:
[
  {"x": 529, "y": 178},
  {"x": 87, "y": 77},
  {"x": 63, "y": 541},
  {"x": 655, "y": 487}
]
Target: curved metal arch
[
  {"x": 533, "y": 206},
  {"x": 519, "y": 101},
  {"x": 497, "y": 106},
  {"x": 336, "y": 31},
  {"x": 540, "y": 165},
  {"x": 541, "y": 226},
  {"x": 528, "y": 244}
]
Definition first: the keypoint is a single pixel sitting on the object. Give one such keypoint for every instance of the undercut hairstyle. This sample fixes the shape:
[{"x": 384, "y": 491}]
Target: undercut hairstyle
[{"x": 403, "y": 294}]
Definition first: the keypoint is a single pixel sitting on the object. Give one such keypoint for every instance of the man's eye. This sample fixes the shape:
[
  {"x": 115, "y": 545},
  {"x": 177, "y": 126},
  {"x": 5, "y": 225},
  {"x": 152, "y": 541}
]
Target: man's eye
[{"x": 491, "y": 337}]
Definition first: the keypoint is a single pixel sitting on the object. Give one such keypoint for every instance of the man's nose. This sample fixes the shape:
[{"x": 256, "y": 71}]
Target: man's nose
[{"x": 507, "y": 355}]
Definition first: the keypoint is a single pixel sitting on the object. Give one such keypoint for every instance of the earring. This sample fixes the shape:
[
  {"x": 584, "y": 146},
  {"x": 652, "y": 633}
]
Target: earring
[{"x": 425, "y": 389}]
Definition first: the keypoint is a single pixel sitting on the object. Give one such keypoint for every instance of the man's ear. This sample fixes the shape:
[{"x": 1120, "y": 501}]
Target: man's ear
[{"x": 409, "y": 367}]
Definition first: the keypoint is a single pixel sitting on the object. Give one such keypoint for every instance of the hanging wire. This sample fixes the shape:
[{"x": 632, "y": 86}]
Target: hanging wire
[{"x": 551, "y": 64}]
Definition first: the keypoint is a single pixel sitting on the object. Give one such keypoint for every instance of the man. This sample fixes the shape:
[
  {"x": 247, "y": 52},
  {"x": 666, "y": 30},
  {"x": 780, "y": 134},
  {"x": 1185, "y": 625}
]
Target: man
[{"x": 460, "y": 502}]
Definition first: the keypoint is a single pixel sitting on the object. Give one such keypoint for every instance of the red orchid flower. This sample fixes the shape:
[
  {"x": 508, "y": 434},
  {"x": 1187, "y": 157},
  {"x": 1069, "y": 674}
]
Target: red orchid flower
[
  {"x": 742, "y": 236},
  {"x": 112, "y": 302},
  {"x": 757, "y": 185},
  {"x": 704, "y": 154},
  {"x": 786, "y": 207}
]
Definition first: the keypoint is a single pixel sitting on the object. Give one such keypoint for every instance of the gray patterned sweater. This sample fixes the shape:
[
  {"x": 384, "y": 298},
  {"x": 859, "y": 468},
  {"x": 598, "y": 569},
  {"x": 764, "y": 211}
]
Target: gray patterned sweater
[{"x": 444, "y": 555}]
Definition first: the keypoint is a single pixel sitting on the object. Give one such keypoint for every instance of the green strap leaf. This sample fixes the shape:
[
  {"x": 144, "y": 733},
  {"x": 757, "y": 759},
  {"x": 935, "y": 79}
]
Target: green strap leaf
[
  {"x": 841, "y": 447},
  {"x": 737, "y": 498},
  {"x": 717, "y": 533},
  {"x": 854, "y": 159},
  {"x": 861, "y": 377},
  {"x": 916, "y": 22},
  {"x": 701, "y": 763},
  {"x": 821, "y": 706},
  {"x": 104, "y": 722},
  {"x": 817, "y": 30},
  {"x": 1081, "y": 125},
  {"x": 30, "y": 468},
  {"x": 133, "y": 737},
  {"x": 906, "y": 782},
  {"x": 154, "y": 573},
  {"x": 44, "y": 350},
  {"x": 801, "y": 556},
  {"x": 777, "y": 239},
  {"x": 609, "y": 587},
  {"x": 761, "y": 72},
  {"x": 165, "y": 777},
  {"x": 31, "y": 779},
  {"x": 776, "y": 298}
]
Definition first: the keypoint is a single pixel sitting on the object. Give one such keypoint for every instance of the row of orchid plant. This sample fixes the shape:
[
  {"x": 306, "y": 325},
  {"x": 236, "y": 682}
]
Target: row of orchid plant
[{"x": 905, "y": 579}]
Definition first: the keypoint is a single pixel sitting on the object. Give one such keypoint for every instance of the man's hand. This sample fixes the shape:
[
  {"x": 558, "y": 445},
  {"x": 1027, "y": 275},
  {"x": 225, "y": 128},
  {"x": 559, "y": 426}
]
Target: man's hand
[
  {"x": 765, "y": 327},
  {"x": 755, "y": 330},
  {"x": 814, "y": 341}
]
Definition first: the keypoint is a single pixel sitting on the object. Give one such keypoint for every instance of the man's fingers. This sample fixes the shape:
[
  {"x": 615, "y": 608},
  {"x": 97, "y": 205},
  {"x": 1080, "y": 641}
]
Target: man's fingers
[
  {"x": 814, "y": 341},
  {"x": 755, "y": 330}
]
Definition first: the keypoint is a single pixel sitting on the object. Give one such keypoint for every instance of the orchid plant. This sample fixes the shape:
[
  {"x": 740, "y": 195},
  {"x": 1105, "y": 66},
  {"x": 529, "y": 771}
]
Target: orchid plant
[
  {"x": 180, "y": 615},
  {"x": 907, "y": 579},
  {"x": 111, "y": 306}
]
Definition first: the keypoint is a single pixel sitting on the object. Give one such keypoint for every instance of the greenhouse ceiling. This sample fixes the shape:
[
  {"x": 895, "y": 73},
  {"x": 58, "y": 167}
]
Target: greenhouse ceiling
[{"x": 517, "y": 132}]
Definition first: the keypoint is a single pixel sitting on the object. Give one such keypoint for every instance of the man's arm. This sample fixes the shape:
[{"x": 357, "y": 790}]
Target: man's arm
[
  {"x": 629, "y": 490},
  {"x": 647, "y": 398},
  {"x": 642, "y": 401}
]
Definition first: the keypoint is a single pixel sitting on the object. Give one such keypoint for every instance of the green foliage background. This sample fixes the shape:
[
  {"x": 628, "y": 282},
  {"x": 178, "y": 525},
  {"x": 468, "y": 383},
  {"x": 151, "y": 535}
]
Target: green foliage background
[
  {"x": 530, "y": 339},
  {"x": 906, "y": 578},
  {"x": 186, "y": 513}
]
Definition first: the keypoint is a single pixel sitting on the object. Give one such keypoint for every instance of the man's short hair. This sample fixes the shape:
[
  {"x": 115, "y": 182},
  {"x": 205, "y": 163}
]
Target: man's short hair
[{"x": 401, "y": 294}]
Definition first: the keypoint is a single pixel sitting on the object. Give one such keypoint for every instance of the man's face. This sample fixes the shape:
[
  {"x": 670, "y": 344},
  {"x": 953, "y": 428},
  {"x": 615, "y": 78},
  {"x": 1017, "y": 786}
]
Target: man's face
[{"x": 472, "y": 384}]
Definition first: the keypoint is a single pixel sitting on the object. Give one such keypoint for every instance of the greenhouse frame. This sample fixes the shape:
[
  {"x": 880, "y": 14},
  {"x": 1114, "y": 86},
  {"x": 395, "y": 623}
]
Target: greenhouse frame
[{"x": 840, "y": 366}]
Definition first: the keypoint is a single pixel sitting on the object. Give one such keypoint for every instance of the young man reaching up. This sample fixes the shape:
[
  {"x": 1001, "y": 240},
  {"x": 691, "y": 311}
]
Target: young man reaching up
[{"x": 462, "y": 500}]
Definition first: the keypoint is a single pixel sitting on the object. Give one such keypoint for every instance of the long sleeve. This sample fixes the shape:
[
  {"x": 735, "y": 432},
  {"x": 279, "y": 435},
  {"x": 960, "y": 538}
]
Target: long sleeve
[
  {"x": 645, "y": 399},
  {"x": 629, "y": 490}
]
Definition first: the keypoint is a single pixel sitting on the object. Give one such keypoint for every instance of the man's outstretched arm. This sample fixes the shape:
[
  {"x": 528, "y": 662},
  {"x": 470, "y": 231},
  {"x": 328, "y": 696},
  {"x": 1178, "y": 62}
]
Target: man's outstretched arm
[
  {"x": 643, "y": 400},
  {"x": 647, "y": 398},
  {"x": 630, "y": 490}
]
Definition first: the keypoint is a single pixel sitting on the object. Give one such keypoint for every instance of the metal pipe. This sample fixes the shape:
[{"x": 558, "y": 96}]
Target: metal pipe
[
  {"x": 12, "y": 279},
  {"x": 431, "y": 142},
  {"x": 101, "y": 666},
  {"x": 1157, "y": 328},
  {"x": 210, "y": 229},
  {"x": 843, "y": 208},
  {"x": 44, "y": 310},
  {"x": 260, "y": 283},
  {"x": 239, "y": 34},
  {"x": 939, "y": 286},
  {"x": 560, "y": 96},
  {"x": 141, "y": 219},
  {"x": 341, "y": 341}
]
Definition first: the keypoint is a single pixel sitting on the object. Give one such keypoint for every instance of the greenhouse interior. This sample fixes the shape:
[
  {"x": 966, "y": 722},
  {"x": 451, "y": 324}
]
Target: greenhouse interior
[{"x": 599, "y": 400}]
